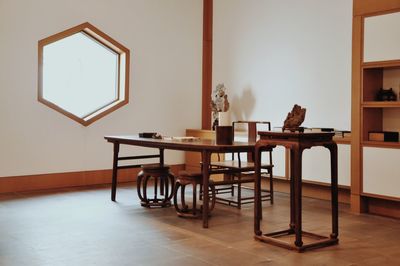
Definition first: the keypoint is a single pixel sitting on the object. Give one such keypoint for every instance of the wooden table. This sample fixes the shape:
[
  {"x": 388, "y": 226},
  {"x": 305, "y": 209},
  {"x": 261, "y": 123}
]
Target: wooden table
[
  {"x": 296, "y": 143},
  {"x": 205, "y": 147}
]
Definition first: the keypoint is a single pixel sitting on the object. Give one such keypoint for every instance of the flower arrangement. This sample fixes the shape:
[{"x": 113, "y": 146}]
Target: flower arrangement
[{"x": 219, "y": 102}]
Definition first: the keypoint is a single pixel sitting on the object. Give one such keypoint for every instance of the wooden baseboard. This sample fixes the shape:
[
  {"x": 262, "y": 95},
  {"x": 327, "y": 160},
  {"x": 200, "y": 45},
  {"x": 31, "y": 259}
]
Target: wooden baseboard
[
  {"x": 313, "y": 190},
  {"x": 383, "y": 207},
  {"x": 70, "y": 179},
  {"x": 376, "y": 206}
]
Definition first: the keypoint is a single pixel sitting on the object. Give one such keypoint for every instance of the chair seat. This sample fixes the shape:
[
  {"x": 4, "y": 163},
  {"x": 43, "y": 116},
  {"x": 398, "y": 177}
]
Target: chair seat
[
  {"x": 190, "y": 174},
  {"x": 186, "y": 177},
  {"x": 155, "y": 167}
]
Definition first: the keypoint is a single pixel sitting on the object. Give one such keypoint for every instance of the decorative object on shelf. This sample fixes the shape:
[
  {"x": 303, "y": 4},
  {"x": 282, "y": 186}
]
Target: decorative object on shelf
[
  {"x": 386, "y": 95},
  {"x": 387, "y": 136},
  {"x": 219, "y": 104},
  {"x": 294, "y": 119}
]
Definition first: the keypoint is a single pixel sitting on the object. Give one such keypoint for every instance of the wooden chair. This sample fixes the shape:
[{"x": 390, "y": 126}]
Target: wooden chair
[
  {"x": 187, "y": 178},
  {"x": 163, "y": 180},
  {"x": 242, "y": 171}
]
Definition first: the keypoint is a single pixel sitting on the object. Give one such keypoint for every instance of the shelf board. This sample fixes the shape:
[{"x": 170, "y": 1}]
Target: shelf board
[
  {"x": 381, "y": 144},
  {"x": 382, "y": 64},
  {"x": 376, "y": 104}
]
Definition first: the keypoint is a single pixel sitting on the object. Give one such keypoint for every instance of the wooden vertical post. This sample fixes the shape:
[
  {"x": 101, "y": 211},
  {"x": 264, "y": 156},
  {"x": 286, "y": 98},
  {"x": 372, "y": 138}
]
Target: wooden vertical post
[{"x": 207, "y": 63}]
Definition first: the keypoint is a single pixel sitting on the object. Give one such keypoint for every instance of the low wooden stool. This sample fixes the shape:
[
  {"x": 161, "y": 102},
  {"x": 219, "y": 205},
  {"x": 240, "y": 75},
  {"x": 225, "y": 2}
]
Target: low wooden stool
[
  {"x": 163, "y": 179},
  {"x": 186, "y": 178}
]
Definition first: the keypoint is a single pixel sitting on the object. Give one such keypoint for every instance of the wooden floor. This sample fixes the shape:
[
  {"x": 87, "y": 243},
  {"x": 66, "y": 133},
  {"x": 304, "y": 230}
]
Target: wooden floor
[{"x": 83, "y": 227}]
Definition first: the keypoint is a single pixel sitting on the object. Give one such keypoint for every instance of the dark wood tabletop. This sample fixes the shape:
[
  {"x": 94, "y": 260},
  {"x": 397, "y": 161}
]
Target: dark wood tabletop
[{"x": 171, "y": 144}]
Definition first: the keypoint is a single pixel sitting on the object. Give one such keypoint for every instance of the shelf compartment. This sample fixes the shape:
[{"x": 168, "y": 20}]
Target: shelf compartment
[
  {"x": 374, "y": 78},
  {"x": 372, "y": 82},
  {"x": 371, "y": 121}
]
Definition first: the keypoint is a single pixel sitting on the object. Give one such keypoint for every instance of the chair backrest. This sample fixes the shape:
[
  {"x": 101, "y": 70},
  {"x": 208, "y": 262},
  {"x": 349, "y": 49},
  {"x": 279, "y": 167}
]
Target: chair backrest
[{"x": 252, "y": 129}]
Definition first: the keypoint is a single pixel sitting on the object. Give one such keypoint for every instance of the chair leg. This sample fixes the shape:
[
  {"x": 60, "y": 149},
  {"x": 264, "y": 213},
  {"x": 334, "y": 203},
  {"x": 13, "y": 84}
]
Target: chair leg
[
  {"x": 165, "y": 186},
  {"x": 155, "y": 188},
  {"x": 194, "y": 199},
  {"x": 139, "y": 186},
  {"x": 184, "y": 206},
  {"x": 171, "y": 178},
  {"x": 213, "y": 197},
  {"x": 239, "y": 193},
  {"x": 145, "y": 181},
  {"x": 162, "y": 185},
  {"x": 176, "y": 196},
  {"x": 271, "y": 187}
]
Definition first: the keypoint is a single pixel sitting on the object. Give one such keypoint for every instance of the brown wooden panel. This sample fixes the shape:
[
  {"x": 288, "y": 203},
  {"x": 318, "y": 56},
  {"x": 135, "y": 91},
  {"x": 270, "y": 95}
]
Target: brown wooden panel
[
  {"x": 372, "y": 82},
  {"x": 372, "y": 121},
  {"x": 358, "y": 204},
  {"x": 71, "y": 179},
  {"x": 205, "y": 134},
  {"x": 207, "y": 63},
  {"x": 356, "y": 163},
  {"x": 365, "y": 7},
  {"x": 193, "y": 159},
  {"x": 384, "y": 207}
]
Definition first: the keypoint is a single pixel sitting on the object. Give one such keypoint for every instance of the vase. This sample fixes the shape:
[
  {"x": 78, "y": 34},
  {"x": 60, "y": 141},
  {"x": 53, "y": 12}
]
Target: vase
[{"x": 224, "y": 119}]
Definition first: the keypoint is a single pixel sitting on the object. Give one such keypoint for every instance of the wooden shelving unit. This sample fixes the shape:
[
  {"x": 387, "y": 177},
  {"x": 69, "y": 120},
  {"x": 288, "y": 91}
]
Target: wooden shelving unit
[{"x": 373, "y": 162}]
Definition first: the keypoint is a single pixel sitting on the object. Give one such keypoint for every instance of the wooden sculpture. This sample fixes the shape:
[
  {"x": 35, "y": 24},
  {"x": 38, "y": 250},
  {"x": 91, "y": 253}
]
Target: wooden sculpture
[{"x": 294, "y": 119}]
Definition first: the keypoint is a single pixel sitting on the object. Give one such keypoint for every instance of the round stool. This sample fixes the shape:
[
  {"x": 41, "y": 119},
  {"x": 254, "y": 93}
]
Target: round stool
[
  {"x": 163, "y": 181},
  {"x": 194, "y": 179}
]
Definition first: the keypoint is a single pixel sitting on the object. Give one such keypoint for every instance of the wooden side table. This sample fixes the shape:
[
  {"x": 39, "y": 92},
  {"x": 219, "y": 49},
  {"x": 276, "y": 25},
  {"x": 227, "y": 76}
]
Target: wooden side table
[{"x": 296, "y": 143}]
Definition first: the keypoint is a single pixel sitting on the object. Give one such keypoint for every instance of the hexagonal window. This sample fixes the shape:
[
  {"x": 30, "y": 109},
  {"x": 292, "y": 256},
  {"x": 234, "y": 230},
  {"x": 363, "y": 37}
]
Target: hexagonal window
[{"x": 83, "y": 73}]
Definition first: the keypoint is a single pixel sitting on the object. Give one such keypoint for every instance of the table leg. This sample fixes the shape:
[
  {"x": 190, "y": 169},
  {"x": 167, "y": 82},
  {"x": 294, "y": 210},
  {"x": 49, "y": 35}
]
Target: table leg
[
  {"x": 334, "y": 190},
  {"x": 297, "y": 195},
  {"x": 162, "y": 178},
  {"x": 257, "y": 191},
  {"x": 114, "y": 171},
  {"x": 292, "y": 197},
  {"x": 205, "y": 158}
]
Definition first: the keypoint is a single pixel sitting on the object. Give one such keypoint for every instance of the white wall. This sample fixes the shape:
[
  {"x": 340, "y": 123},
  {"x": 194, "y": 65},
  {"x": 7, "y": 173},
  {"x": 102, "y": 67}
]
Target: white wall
[
  {"x": 272, "y": 54},
  {"x": 165, "y": 39}
]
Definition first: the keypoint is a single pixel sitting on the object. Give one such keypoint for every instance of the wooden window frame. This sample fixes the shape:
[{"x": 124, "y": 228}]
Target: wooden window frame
[{"x": 123, "y": 67}]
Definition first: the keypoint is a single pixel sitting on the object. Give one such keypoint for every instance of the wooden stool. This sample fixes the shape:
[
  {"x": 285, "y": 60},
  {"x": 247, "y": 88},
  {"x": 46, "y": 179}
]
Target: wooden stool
[
  {"x": 194, "y": 179},
  {"x": 163, "y": 179}
]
